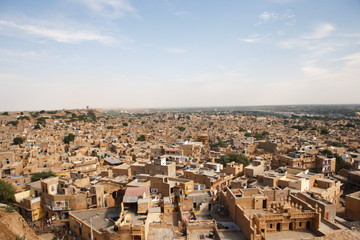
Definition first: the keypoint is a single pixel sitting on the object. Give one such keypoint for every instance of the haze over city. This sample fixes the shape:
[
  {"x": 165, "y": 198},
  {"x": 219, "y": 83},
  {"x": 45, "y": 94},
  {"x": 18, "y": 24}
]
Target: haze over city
[
  {"x": 180, "y": 120},
  {"x": 107, "y": 53}
]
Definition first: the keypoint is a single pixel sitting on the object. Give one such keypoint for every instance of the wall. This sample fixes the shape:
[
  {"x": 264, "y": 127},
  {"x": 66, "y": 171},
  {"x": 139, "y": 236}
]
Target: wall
[
  {"x": 76, "y": 225},
  {"x": 352, "y": 207}
]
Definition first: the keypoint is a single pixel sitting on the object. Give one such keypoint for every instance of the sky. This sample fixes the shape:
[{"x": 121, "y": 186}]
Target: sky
[{"x": 66, "y": 54}]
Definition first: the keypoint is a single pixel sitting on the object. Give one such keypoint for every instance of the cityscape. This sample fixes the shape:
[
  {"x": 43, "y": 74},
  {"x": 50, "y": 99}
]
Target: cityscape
[{"x": 179, "y": 120}]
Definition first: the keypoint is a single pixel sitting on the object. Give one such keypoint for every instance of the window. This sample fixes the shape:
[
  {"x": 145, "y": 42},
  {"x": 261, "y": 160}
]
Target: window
[
  {"x": 271, "y": 225},
  {"x": 300, "y": 224}
]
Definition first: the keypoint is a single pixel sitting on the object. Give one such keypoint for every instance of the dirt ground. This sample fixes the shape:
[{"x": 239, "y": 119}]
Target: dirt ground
[
  {"x": 342, "y": 235},
  {"x": 12, "y": 225}
]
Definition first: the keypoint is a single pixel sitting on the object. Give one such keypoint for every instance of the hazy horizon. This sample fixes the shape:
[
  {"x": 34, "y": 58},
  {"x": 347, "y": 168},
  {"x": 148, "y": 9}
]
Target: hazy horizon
[
  {"x": 182, "y": 108},
  {"x": 71, "y": 54}
]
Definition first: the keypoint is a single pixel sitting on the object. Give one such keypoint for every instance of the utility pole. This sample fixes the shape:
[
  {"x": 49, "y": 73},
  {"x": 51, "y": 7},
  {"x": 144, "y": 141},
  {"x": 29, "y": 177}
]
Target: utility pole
[{"x": 91, "y": 229}]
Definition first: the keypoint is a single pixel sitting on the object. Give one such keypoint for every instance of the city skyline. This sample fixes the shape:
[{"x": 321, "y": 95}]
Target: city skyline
[{"x": 171, "y": 54}]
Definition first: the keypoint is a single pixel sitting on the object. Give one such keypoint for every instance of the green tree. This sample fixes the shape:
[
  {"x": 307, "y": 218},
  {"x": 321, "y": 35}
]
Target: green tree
[
  {"x": 141, "y": 138},
  {"x": 14, "y": 123},
  {"x": 220, "y": 143},
  {"x": 234, "y": 157},
  {"x": 324, "y": 131},
  {"x": 23, "y": 117},
  {"x": 41, "y": 121},
  {"x": 261, "y": 135},
  {"x": 350, "y": 125},
  {"x": 92, "y": 115},
  {"x": 181, "y": 129},
  {"x": 18, "y": 140},
  {"x": 41, "y": 175},
  {"x": 327, "y": 153},
  {"x": 299, "y": 127},
  {"x": 337, "y": 144},
  {"x": 5, "y": 114},
  {"x": 341, "y": 164},
  {"x": 69, "y": 138},
  {"x": 125, "y": 124},
  {"x": 7, "y": 192},
  {"x": 247, "y": 134}
]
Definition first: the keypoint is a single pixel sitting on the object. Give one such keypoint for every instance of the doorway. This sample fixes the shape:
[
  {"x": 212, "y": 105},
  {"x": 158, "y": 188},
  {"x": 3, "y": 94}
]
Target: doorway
[{"x": 278, "y": 227}]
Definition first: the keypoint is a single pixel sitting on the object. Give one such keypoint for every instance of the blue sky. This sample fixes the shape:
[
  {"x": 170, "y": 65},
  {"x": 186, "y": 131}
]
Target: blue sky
[{"x": 165, "y": 53}]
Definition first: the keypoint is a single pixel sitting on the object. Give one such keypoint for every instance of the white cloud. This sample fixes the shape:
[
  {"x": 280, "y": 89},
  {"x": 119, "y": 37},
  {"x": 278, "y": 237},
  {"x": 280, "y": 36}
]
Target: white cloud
[
  {"x": 254, "y": 38},
  {"x": 321, "y": 31},
  {"x": 114, "y": 8},
  {"x": 60, "y": 35},
  {"x": 350, "y": 71},
  {"x": 175, "y": 50},
  {"x": 344, "y": 75},
  {"x": 314, "y": 41},
  {"x": 268, "y": 16},
  {"x": 17, "y": 53},
  {"x": 313, "y": 71}
]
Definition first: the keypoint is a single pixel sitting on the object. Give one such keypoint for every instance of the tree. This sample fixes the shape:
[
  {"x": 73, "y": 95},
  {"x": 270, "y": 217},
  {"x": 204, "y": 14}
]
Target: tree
[
  {"x": 18, "y": 140},
  {"x": 327, "y": 153},
  {"x": 69, "y": 138},
  {"x": 14, "y": 123},
  {"x": 181, "y": 129},
  {"x": 41, "y": 175},
  {"x": 92, "y": 115},
  {"x": 234, "y": 157},
  {"x": 141, "y": 138},
  {"x": 261, "y": 135},
  {"x": 340, "y": 163},
  {"x": 337, "y": 144},
  {"x": 324, "y": 131},
  {"x": 299, "y": 127},
  {"x": 220, "y": 143},
  {"x": 5, "y": 114},
  {"x": 247, "y": 134},
  {"x": 125, "y": 124},
  {"x": 7, "y": 192}
]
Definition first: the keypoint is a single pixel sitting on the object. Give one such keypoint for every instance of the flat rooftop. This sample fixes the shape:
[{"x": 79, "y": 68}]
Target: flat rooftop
[
  {"x": 230, "y": 235},
  {"x": 291, "y": 235},
  {"x": 354, "y": 195},
  {"x": 101, "y": 218},
  {"x": 157, "y": 233}
]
